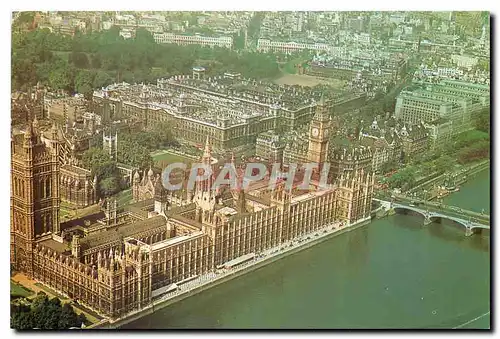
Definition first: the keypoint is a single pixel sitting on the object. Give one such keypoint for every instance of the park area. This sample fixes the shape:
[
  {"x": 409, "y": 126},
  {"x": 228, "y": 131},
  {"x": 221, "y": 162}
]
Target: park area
[
  {"x": 18, "y": 290},
  {"x": 23, "y": 287}
]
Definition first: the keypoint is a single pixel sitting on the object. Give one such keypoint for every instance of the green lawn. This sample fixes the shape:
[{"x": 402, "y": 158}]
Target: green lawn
[
  {"x": 170, "y": 158},
  {"x": 124, "y": 197},
  {"x": 51, "y": 291},
  {"x": 16, "y": 289}
]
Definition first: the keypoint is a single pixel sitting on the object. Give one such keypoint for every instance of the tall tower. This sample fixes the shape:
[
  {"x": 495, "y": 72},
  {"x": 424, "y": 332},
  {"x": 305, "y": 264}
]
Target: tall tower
[
  {"x": 204, "y": 195},
  {"x": 35, "y": 199},
  {"x": 319, "y": 133},
  {"x": 110, "y": 143}
]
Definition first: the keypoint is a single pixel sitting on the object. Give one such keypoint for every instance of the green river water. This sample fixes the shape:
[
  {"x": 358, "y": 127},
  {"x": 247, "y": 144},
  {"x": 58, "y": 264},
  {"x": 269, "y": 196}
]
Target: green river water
[{"x": 392, "y": 273}]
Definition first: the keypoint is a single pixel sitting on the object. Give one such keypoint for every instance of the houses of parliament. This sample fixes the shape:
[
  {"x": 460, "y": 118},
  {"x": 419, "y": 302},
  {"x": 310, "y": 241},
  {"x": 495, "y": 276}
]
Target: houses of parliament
[{"x": 122, "y": 258}]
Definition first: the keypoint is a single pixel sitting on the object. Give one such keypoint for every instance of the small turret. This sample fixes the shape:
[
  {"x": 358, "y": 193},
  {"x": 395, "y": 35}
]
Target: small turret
[
  {"x": 75, "y": 246},
  {"x": 53, "y": 132},
  {"x": 36, "y": 126},
  {"x": 137, "y": 177}
]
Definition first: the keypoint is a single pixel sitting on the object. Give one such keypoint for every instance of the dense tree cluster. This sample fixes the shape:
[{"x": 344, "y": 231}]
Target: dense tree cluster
[
  {"x": 101, "y": 165},
  {"x": 477, "y": 151},
  {"x": 95, "y": 59},
  {"x": 466, "y": 147},
  {"x": 482, "y": 120},
  {"x": 404, "y": 178},
  {"x": 45, "y": 314},
  {"x": 134, "y": 148}
]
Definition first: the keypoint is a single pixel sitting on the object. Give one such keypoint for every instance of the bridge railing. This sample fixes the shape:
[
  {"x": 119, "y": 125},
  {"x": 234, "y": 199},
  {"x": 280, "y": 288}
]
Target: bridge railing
[
  {"x": 478, "y": 218},
  {"x": 441, "y": 207}
]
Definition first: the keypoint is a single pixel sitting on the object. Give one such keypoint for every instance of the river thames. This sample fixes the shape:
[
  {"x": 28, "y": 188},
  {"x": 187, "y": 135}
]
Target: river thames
[{"x": 392, "y": 273}]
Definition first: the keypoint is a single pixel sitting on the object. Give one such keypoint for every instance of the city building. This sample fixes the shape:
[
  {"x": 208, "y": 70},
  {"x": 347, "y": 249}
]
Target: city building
[
  {"x": 414, "y": 109},
  {"x": 171, "y": 38},
  {"x": 440, "y": 133},
  {"x": 351, "y": 157},
  {"x": 231, "y": 110},
  {"x": 269, "y": 146},
  {"x": 288, "y": 47},
  {"x": 451, "y": 100},
  {"x": 415, "y": 140}
]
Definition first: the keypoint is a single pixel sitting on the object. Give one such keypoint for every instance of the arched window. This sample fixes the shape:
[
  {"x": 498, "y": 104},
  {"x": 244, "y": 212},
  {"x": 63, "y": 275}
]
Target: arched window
[
  {"x": 41, "y": 188},
  {"x": 48, "y": 221},
  {"x": 16, "y": 187},
  {"x": 42, "y": 219},
  {"x": 47, "y": 187}
]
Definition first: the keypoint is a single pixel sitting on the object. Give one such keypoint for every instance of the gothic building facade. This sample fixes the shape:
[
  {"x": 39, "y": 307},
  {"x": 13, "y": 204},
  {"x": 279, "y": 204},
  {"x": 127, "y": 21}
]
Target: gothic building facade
[
  {"x": 77, "y": 186},
  {"x": 125, "y": 260}
]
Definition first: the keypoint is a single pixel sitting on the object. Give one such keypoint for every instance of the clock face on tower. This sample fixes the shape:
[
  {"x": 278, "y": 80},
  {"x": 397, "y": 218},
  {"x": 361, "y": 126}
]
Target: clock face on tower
[{"x": 315, "y": 132}]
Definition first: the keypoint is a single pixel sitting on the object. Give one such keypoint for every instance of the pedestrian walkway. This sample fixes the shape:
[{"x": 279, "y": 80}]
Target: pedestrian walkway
[{"x": 207, "y": 278}]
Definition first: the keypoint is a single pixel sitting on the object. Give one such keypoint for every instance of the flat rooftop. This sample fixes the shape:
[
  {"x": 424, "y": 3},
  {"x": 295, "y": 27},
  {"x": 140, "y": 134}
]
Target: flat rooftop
[{"x": 172, "y": 241}]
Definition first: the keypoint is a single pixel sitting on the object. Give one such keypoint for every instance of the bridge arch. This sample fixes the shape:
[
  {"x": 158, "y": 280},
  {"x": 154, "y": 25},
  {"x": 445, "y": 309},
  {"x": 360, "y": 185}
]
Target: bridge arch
[
  {"x": 409, "y": 208},
  {"x": 434, "y": 217}
]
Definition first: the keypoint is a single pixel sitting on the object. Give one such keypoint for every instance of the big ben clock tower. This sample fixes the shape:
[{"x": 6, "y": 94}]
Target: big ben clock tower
[{"x": 319, "y": 134}]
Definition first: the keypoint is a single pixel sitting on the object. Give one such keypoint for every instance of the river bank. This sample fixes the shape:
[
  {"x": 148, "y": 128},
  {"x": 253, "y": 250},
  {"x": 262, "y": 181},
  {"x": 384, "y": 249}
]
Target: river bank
[
  {"x": 428, "y": 188},
  {"x": 209, "y": 281}
]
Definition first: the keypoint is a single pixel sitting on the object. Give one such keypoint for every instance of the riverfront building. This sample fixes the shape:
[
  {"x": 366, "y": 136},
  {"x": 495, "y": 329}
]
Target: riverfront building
[
  {"x": 122, "y": 258},
  {"x": 450, "y": 100}
]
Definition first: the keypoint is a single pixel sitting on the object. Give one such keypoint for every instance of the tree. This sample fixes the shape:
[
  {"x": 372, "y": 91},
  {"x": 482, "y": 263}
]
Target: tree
[
  {"x": 83, "y": 83},
  {"x": 61, "y": 77},
  {"x": 101, "y": 79},
  {"x": 99, "y": 162},
  {"x": 109, "y": 186},
  {"x": 388, "y": 166},
  {"x": 45, "y": 314},
  {"x": 405, "y": 176},
  {"x": 23, "y": 73},
  {"x": 20, "y": 318},
  {"x": 477, "y": 151},
  {"x": 79, "y": 59},
  {"x": 68, "y": 317},
  {"x": 36, "y": 57},
  {"x": 482, "y": 121},
  {"x": 443, "y": 163}
]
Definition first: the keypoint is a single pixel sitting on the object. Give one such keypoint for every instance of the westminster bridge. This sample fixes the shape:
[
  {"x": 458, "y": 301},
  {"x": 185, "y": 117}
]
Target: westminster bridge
[{"x": 472, "y": 222}]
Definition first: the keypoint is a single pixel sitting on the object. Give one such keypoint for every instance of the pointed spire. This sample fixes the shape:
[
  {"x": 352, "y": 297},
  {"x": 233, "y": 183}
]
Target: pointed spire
[
  {"x": 29, "y": 131},
  {"x": 207, "y": 145},
  {"x": 322, "y": 100},
  {"x": 35, "y": 124},
  {"x": 207, "y": 153},
  {"x": 137, "y": 176}
]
